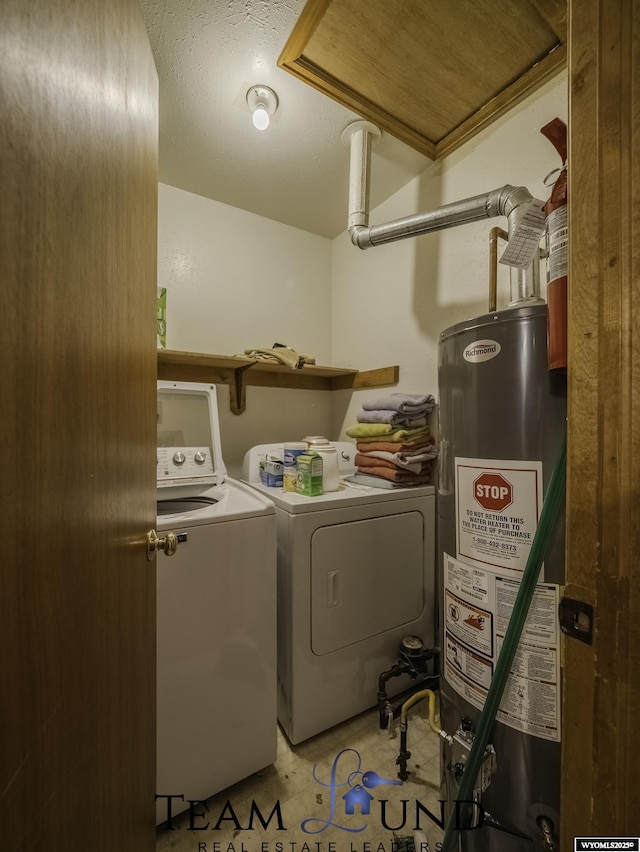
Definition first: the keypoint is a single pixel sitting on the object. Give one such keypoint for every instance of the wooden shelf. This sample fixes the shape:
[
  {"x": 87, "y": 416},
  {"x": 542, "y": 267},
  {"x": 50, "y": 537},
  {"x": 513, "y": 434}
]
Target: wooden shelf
[{"x": 240, "y": 372}]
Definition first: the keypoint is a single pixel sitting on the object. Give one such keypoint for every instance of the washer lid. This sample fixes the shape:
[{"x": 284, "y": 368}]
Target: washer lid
[
  {"x": 231, "y": 501},
  {"x": 178, "y": 505},
  {"x": 189, "y": 450}
]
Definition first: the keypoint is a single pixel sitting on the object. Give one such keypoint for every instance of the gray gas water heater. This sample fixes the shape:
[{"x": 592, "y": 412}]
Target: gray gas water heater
[{"x": 502, "y": 424}]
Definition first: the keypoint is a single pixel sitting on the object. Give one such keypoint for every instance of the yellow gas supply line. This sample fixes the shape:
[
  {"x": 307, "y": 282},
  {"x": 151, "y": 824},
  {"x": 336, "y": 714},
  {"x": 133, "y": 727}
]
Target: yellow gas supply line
[
  {"x": 434, "y": 721},
  {"x": 434, "y": 724}
]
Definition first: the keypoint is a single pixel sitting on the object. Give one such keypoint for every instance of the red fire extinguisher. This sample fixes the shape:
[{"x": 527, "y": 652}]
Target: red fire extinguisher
[{"x": 557, "y": 237}]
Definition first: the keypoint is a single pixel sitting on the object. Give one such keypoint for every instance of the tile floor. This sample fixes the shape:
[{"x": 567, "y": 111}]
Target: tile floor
[{"x": 349, "y": 751}]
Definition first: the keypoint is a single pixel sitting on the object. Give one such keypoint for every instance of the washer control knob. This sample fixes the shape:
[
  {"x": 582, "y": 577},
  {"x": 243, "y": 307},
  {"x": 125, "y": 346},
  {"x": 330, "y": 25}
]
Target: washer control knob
[
  {"x": 179, "y": 458},
  {"x": 199, "y": 457}
]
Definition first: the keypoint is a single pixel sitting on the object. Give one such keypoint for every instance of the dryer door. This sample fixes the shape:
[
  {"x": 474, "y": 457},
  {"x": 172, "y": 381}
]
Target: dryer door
[{"x": 367, "y": 577}]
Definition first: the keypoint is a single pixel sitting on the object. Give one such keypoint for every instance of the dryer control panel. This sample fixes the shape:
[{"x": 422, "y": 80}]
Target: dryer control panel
[{"x": 182, "y": 465}]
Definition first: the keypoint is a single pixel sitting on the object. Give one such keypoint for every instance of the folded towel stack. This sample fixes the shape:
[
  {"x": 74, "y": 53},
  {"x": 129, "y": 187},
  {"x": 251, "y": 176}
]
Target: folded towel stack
[{"x": 393, "y": 442}]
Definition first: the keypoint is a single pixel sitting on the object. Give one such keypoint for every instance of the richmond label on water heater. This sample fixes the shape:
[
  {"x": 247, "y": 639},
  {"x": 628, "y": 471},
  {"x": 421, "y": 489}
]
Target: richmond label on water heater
[{"x": 481, "y": 350}]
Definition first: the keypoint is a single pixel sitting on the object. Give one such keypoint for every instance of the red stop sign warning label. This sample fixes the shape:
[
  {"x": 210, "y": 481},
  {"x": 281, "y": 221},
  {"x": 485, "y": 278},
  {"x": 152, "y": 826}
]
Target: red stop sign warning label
[{"x": 493, "y": 492}]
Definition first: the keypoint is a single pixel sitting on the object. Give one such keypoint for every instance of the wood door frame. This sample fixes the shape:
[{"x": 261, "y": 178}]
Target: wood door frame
[{"x": 601, "y": 691}]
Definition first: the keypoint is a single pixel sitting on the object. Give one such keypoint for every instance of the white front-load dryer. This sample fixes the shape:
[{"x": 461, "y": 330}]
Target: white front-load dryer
[{"x": 355, "y": 577}]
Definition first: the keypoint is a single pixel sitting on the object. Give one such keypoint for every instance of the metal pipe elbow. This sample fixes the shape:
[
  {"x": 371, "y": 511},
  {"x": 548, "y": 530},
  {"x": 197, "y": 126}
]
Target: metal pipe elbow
[
  {"x": 503, "y": 201},
  {"x": 510, "y": 201},
  {"x": 360, "y": 236}
]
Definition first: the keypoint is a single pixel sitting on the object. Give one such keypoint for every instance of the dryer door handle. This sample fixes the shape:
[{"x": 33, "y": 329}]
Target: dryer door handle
[{"x": 333, "y": 589}]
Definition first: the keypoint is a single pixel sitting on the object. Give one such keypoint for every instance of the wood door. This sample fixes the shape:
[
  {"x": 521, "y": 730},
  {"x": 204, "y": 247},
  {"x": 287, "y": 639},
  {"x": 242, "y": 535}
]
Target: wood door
[
  {"x": 601, "y": 700},
  {"x": 78, "y": 182}
]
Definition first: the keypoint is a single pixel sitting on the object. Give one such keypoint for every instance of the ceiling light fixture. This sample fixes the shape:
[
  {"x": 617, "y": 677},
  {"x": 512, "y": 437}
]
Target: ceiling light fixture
[{"x": 263, "y": 102}]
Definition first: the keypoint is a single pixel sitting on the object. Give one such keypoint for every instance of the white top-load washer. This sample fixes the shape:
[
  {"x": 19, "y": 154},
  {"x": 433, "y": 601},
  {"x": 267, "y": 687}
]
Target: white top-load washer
[
  {"x": 216, "y": 610},
  {"x": 355, "y": 577}
]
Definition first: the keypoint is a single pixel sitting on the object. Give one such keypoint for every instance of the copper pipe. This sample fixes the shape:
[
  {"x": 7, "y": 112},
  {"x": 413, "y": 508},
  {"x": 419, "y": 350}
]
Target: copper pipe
[{"x": 494, "y": 235}]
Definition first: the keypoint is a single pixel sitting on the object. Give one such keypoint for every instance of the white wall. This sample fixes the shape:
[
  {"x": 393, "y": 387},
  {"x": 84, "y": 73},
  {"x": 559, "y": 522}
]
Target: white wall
[
  {"x": 390, "y": 302},
  {"x": 237, "y": 281}
]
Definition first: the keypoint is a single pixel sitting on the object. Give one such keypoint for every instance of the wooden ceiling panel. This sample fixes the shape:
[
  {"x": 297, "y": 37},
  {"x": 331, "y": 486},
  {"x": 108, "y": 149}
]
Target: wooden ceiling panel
[{"x": 431, "y": 73}]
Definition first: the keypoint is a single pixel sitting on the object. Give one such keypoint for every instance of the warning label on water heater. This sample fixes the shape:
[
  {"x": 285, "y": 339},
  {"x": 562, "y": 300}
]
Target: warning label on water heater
[
  {"x": 478, "y": 605},
  {"x": 498, "y": 504}
]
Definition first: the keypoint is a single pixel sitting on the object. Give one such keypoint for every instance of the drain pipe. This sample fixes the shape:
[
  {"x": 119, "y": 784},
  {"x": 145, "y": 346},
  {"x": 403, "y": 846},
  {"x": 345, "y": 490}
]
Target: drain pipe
[{"x": 509, "y": 201}]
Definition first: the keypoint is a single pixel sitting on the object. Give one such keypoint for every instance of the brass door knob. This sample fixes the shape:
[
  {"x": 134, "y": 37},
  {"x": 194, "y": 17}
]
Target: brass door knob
[{"x": 168, "y": 544}]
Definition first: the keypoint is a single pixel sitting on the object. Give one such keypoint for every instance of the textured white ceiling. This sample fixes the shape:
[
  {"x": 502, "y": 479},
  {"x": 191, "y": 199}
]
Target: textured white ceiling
[{"x": 208, "y": 54}]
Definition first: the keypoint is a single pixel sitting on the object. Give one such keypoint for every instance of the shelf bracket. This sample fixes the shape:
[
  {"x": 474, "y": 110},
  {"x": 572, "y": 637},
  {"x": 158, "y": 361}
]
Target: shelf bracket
[{"x": 237, "y": 389}]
